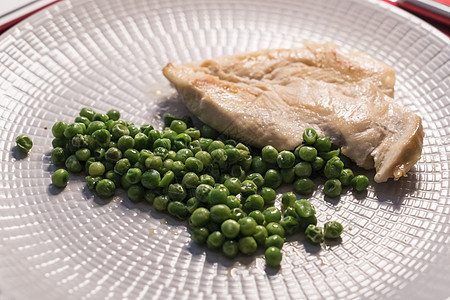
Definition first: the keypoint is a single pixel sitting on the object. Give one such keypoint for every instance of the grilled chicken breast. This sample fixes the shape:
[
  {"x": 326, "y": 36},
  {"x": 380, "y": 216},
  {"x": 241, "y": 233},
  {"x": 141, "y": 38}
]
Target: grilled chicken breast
[{"x": 271, "y": 96}]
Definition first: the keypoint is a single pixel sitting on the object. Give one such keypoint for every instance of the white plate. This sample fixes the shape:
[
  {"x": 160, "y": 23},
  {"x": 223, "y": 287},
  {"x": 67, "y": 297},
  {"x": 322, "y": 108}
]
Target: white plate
[{"x": 109, "y": 54}]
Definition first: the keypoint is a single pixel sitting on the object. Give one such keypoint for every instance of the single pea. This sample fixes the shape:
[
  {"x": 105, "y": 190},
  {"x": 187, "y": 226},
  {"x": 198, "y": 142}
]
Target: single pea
[
  {"x": 304, "y": 208},
  {"x": 215, "y": 144},
  {"x": 162, "y": 142},
  {"x": 246, "y": 163},
  {"x": 58, "y": 129},
  {"x": 204, "y": 143},
  {"x": 194, "y": 165},
  {"x": 183, "y": 154},
  {"x": 285, "y": 159},
  {"x": 105, "y": 188},
  {"x": 233, "y": 202},
  {"x": 136, "y": 193},
  {"x": 178, "y": 210},
  {"x": 152, "y": 136},
  {"x": 200, "y": 235},
  {"x": 133, "y": 175},
  {"x": 275, "y": 228},
  {"x": 274, "y": 241},
  {"x": 258, "y": 216},
  {"x": 323, "y": 144},
  {"x": 209, "y": 132},
  {"x": 125, "y": 142},
  {"x": 256, "y": 178},
  {"x": 80, "y": 141},
  {"x": 94, "y": 126},
  {"x": 73, "y": 164},
  {"x": 304, "y": 186},
  {"x": 207, "y": 179},
  {"x": 259, "y": 165},
  {"x": 150, "y": 196},
  {"x": 181, "y": 141},
  {"x": 204, "y": 157},
  {"x": 303, "y": 169},
  {"x": 178, "y": 126},
  {"x": 230, "y": 228},
  {"x": 200, "y": 217},
  {"x": 114, "y": 177},
  {"x": 154, "y": 162},
  {"x": 360, "y": 183},
  {"x": 58, "y": 156},
  {"x": 247, "y": 245},
  {"x": 113, "y": 114},
  {"x": 233, "y": 155},
  {"x": 309, "y": 136},
  {"x": 269, "y": 154},
  {"x": 287, "y": 175},
  {"x": 96, "y": 169},
  {"x": 144, "y": 154},
  {"x": 169, "y": 134},
  {"x": 230, "y": 248},
  {"x": 118, "y": 131},
  {"x": 332, "y": 188},
  {"x": 202, "y": 192},
  {"x": 140, "y": 141},
  {"x": 233, "y": 185},
  {"x": 125, "y": 182},
  {"x": 332, "y": 229},
  {"x": 192, "y": 204},
  {"x": 100, "y": 117},
  {"x": 134, "y": 130},
  {"x": 83, "y": 154},
  {"x": 290, "y": 211},
  {"x": 247, "y": 226},
  {"x": 91, "y": 182},
  {"x": 168, "y": 118},
  {"x": 220, "y": 213},
  {"x": 307, "y": 153},
  {"x": 161, "y": 202},
  {"x": 346, "y": 176},
  {"x": 248, "y": 188},
  {"x": 288, "y": 199},
  {"x": 176, "y": 192},
  {"x": 290, "y": 225},
  {"x": 318, "y": 163},
  {"x": 59, "y": 142},
  {"x": 151, "y": 179},
  {"x": 122, "y": 166},
  {"x": 190, "y": 180},
  {"x": 330, "y": 154},
  {"x": 69, "y": 147},
  {"x": 215, "y": 240},
  {"x": 73, "y": 129},
  {"x": 254, "y": 202},
  {"x": 87, "y": 113},
  {"x": 102, "y": 137},
  {"x": 132, "y": 155},
  {"x": 219, "y": 156},
  {"x": 314, "y": 234},
  {"x": 237, "y": 214},
  {"x": 272, "y": 179},
  {"x": 179, "y": 169},
  {"x": 260, "y": 235},
  {"x": 218, "y": 195},
  {"x": 194, "y": 133},
  {"x": 333, "y": 168},
  {"x": 60, "y": 178},
  {"x": 113, "y": 154},
  {"x": 243, "y": 150},
  {"x": 269, "y": 195},
  {"x": 273, "y": 257},
  {"x": 24, "y": 143},
  {"x": 272, "y": 214},
  {"x": 238, "y": 172},
  {"x": 167, "y": 165}
]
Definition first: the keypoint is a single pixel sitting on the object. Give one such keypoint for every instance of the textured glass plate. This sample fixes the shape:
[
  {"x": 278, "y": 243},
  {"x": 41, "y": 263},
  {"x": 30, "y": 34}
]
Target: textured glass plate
[{"x": 109, "y": 54}]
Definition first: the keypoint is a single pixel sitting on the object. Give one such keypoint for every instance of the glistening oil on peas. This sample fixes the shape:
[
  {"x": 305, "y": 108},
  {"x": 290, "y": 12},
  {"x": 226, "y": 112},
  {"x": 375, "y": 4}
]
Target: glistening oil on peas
[{"x": 223, "y": 188}]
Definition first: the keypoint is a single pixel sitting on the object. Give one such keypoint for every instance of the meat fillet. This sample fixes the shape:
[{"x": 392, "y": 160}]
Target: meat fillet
[{"x": 269, "y": 97}]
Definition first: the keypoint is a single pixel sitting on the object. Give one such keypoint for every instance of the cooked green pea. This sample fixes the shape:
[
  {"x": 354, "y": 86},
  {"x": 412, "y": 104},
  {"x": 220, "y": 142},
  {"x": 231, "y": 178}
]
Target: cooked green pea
[
  {"x": 273, "y": 257},
  {"x": 290, "y": 211},
  {"x": 272, "y": 179},
  {"x": 237, "y": 214},
  {"x": 204, "y": 143},
  {"x": 209, "y": 132},
  {"x": 309, "y": 136},
  {"x": 96, "y": 169},
  {"x": 181, "y": 141},
  {"x": 118, "y": 131},
  {"x": 190, "y": 180},
  {"x": 304, "y": 208},
  {"x": 91, "y": 182},
  {"x": 133, "y": 175},
  {"x": 113, "y": 114},
  {"x": 305, "y": 222},
  {"x": 194, "y": 133},
  {"x": 275, "y": 228},
  {"x": 220, "y": 213},
  {"x": 318, "y": 163},
  {"x": 99, "y": 153},
  {"x": 152, "y": 136},
  {"x": 290, "y": 225},
  {"x": 100, "y": 117},
  {"x": 218, "y": 195},
  {"x": 105, "y": 188},
  {"x": 207, "y": 179},
  {"x": 272, "y": 214},
  {"x": 192, "y": 204},
  {"x": 314, "y": 234},
  {"x": 60, "y": 178},
  {"x": 140, "y": 141},
  {"x": 73, "y": 129},
  {"x": 178, "y": 210},
  {"x": 183, "y": 154},
  {"x": 162, "y": 142},
  {"x": 169, "y": 134},
  {"x": 69, "y": 147},
  {"x": 269, "y": 195},
  {"x": 247, "y": 245},
  {"x": 256, "y": 178},
  {"x": 323, "y": 144},
  {"x": 154, "y": 162},
  {"x": 102, "y": 137},
  {"x": 80, "y": 141},
  {"x": 122, "y": 166},
  {"x": 202, "y": 192},
  {"x": 274, "y": 241},
  {"x": 161, "y": 202},
  {"x": 233, "y": 202},
  {"x": 232, "y": 155},
  {"x": 58, "y": 156},
  {"x": 360, "y": 183},
  {"x": 140, "y": 166},
  {"x": 332, "y": 229},
  {"x": 132, "y": 155},
  {"x": 58, "y": 129},
  {"x": 200, "y": 217},
  {"x": 259, "y": 165},
  {"x": 307, "y": 153},
  {"x": 269, "y": 154},
  {"x": 330, "y": 154},
  {"x": 150, "y": 196},
  {"x": 233, "y": 185},
  {"x": 108, "y": 165},
  {"x": 73, "y": 164},
  {"x": 230, "y": 248},
  {"x": 195, "y": 147},
  {"x": 204, "y": 157},
  {"x": 176, "y": 192},
  {"x": 248, "y": 188},
  {"x": 303, "y": 169},
  {"x": 194, "y": 165},
  {"x": 144, "y": 154},
  {"x": 246, "y": 163},
  {"x": 136, "y": 193},
  {"x": 125, "y": 182},
  {"x": 178, "y": 126},
  {"x": 304, "y": 186},
  {"x": 87, "y": 113},
  {"x": 258, "y": 216},
  {"x": 288, "y": 199},
  {"x": 346, "y": 176},
  {"x": 285, "y": 159},
  {"x": 59, "y": 142},
  {"x": 125, "y": 142},
  {"x": 230, "y": 228},
  {"x": 254, "y": 202},
  {"x": 260, "y": 235},
  {"x": 113, "y": 154},
  {"x": 219, "y": 156},
  {"x": 214, "y": 145},
  {"x": 247, "y": 226},
  {"x": 215, "y": 240},
  {"x": 332, "y": 188},
  {"x": 83, "y": 154},
  {"x": 238, "y": 172},
  {"x": 94, "y": 126},
  {"x": 333, "y": 168},
  {"x": 287, "y": 175},
  {"x": 199, "y": 235},
  {"x": 151, "y": 179},
  {"x": 114, "y": 177}
]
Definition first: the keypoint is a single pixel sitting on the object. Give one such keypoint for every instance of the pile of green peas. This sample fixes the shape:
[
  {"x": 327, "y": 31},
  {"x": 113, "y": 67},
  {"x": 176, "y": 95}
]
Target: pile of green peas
[{"x": 225, "y": 189}]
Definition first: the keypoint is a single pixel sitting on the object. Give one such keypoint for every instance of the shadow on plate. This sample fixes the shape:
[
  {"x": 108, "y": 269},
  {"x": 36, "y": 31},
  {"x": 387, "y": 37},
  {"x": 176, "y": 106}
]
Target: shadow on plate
[{"x": 17, "y": 154}]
